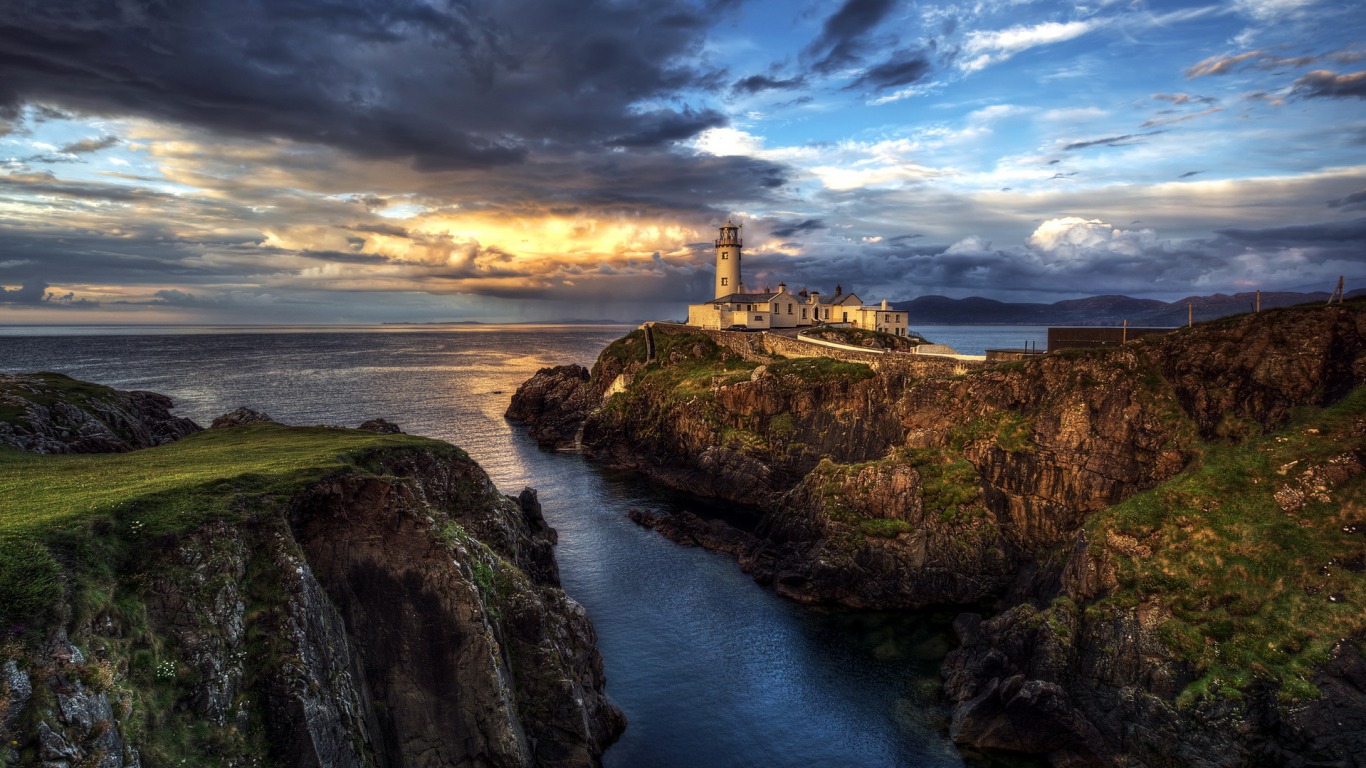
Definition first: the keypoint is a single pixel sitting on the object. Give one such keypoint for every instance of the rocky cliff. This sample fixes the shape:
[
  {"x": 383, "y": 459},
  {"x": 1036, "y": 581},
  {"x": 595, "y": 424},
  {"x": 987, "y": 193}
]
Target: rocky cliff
[
  {"x": 53, "y": 413},
  {"x": 905, "y": 487},
  {"x": 289, "y": 596}
]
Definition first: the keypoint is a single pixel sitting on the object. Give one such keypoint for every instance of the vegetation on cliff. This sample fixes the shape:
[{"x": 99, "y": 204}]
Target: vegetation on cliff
[
  {"x": 1171, "y": 529},
  {"x": 265, "y": 594},
  {"x": 125, "y": 500},
  {"x": 1255, "y": 554}
]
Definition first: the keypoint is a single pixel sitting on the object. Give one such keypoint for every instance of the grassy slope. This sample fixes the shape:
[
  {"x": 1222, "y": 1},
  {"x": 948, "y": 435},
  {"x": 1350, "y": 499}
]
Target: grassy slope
[
  {"x": 49, "y": 504},
  {"x": 1250, "y": 592}
]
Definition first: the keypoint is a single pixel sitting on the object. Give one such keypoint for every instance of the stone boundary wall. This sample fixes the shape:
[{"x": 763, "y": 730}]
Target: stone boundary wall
[
  {"x": 784, "y": 345},
  {"x": 759, "y": 346}
]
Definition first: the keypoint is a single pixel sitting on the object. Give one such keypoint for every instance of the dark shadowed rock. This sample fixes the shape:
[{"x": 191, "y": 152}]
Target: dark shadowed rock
[
  {"x": 53, "y": 413},
  {"x": 240, "y": 418},
  {"x": 554, "y": 403},
  {"x": 911, "y": 487},
  {"x": 401, "y": 613},
  {"x": 691, "y": 530},
  {"x": 381, "y": 427}
]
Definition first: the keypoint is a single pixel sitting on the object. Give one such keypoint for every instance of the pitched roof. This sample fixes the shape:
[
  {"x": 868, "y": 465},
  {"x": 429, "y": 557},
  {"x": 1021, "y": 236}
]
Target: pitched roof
[
  {"x": 746, "y": 298},
  {"x": 836, "y": 298}
]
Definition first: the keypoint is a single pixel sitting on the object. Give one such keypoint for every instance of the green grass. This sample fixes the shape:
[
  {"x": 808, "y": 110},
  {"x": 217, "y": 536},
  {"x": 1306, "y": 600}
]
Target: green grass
[
  {"x": 1247, "y": 584},
  {"x": 86, "y": 509},
  {"x": 815, "y": 370},
  {"x": 624, "y": 351},
  {"x": 189, "y": 477},
  {"x": 949, "y": 489}
]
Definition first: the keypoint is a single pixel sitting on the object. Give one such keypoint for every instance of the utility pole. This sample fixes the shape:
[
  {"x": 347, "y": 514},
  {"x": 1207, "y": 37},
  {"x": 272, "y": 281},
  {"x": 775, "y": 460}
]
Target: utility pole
[
  {"x": 1190, "y": 315},
  {"x": 1259, "y": 302},
  {"x": 1337, "y": 292},
  {"x": 1124, "y": 337}
]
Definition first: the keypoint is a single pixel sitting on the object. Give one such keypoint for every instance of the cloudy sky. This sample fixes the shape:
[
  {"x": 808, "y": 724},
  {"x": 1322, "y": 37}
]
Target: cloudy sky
[{"x": 426, "y": 160}]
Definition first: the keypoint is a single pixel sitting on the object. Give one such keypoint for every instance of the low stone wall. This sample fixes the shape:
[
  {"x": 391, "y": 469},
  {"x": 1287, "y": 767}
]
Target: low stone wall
[
  {"x": 761, "y": 346},
  {"x": 790, "y": 347}
]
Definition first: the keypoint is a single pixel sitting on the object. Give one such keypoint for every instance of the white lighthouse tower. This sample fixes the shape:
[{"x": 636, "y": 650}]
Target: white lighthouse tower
[{"x": 728, "y": 261}]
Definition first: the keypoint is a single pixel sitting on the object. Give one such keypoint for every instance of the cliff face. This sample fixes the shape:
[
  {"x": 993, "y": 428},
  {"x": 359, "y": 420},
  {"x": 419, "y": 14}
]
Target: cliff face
[
  {"x": 53, "y": 413},
  {"x": 397, "y": 611},
  {"x": 905, "y": 487}
]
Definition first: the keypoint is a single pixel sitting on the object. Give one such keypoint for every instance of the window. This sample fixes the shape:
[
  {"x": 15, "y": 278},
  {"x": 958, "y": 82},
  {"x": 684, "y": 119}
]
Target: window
[
  {"x": 725, "y": 281},
  {"x": 724, "y": 256},
  {"x": 827, "y": 313},
  {"x": 758, "y": 318},
  {"x": 803, "y": 313},
  {"x": 789, "y": 309},
  {"x": 846, "y": 317}
]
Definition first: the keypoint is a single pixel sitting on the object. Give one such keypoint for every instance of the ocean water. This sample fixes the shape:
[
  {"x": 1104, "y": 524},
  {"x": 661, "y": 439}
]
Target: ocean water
[
  {"x": 977, "y": 339},
  {"x": 710, "y": 668}
]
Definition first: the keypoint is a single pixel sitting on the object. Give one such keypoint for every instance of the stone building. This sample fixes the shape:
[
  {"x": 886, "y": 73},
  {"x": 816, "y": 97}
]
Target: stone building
[{"x": 736, "y": 308}]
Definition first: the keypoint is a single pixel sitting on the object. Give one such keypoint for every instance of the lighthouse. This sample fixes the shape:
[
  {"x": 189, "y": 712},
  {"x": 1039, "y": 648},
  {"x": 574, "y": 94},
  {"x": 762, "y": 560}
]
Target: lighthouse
[{"x": 728, "y": 261}]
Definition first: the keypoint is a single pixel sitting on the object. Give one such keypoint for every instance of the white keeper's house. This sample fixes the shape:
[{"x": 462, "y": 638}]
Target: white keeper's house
[{"x": 737, "y": 309}]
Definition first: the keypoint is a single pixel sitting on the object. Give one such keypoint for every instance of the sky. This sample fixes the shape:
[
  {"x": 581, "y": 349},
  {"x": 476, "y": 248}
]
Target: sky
[{"x": 362, "y": 161}]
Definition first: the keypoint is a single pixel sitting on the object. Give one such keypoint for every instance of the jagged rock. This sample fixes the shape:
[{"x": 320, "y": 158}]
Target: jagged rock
[
  {"x": 688, "y": 529},
  {"x": 53, "y": 413},
  {"x": 83, "y": 728},
  {"x": 240, "y": 418},
  {"x": 566, "y": 387},
  {"x": 423, "y": 631},
  {"x": 196, "y": 599},
  {"x": 911, "y": 487},
  {"x": 381, "y": 427},
  {"x": 401, "y": 614},
  {"x": 15, "y": 691}
]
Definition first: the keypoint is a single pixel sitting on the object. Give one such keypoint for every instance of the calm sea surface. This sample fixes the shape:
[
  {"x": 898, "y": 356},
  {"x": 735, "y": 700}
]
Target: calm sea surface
[
  {"x": 977, "y": 339},
  {"x": 711, "y": 669}
]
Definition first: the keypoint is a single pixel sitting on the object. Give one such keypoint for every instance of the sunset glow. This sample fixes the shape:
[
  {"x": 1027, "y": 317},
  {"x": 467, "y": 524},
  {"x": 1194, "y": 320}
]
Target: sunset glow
[{"x": 382, "y": 161}]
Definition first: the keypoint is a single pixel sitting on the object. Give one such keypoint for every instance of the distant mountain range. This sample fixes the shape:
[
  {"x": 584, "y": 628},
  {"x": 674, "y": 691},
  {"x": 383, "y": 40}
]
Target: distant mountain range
[{"x": 1095, "y": 310}]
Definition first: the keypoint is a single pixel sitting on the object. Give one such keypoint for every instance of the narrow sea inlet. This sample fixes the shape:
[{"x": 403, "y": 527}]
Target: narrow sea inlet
[{"x": 710, "y": 668}]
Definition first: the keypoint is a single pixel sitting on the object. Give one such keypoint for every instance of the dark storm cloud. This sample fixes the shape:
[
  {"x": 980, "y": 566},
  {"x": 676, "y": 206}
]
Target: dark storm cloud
[
  {"x": 1324, "y": 84},
  {"x": 455, "y": 86},
  {"x": 1328, "y": 233},
  {"x": 842, "y": 37},
  {"x": 790, "y": 228},
  {"x": 902, "y": 69},
  {"x": 1353, "y": 202},
  {"x": 760, "y": 83},
  {"x": 1131, "y": 262},
  {"x": 668, "y": 125},
  {"x": 32, "y": 291},
  {"x": 1112, "y": 141}
]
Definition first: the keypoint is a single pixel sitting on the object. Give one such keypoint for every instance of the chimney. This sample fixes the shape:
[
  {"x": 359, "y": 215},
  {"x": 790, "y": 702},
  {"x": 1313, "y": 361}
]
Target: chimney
[
  {"x": 838, "y": 289},
  {"x": 782, "y": 287},
  {"x": 884, "y": 303}
]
